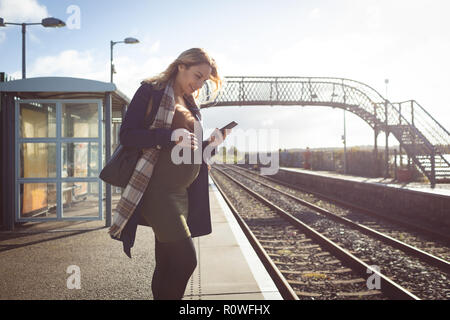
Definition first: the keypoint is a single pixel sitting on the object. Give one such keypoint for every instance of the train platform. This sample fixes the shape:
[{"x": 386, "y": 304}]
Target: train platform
[
  {"x": 416, "y": 204},
  {"x": 228, "y": 267},
  {"x": 439, "y": 189},
  {"x": 78, "y": 260}
]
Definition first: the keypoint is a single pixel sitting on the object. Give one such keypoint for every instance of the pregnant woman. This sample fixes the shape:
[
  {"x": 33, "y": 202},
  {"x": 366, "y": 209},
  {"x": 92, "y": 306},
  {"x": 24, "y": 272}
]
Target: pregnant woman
[{"x": 171, "y": 198}]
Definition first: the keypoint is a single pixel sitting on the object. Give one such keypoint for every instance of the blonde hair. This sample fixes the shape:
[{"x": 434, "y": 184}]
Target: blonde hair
[{"x": 190, "y": 57}]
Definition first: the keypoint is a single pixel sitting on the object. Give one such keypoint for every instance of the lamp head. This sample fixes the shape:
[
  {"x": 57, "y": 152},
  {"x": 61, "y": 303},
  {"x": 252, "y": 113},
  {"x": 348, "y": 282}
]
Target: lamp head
[
  {"x": 53, "y": 23},
  {"x": 131, "y": 40}
]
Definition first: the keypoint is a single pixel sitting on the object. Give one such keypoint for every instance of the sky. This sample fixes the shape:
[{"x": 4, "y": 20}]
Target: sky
[{"x": 407, "y": 42}]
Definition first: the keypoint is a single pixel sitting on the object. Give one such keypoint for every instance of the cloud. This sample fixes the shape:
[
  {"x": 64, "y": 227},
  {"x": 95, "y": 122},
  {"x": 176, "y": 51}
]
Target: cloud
[
  {"x": 373, "y": 17},
  {"x": 155, "y": 47},
  {"x": 90, "y": 64},
  {"x": 130, "y": 72},
  {"x": 314, "y": 14},
  {"x": 22, "y": 11},
  {"x": 370, "y": 41},
  {"x": 267, "y": 122},
  {"x": 69, "y": 63},
  {"x": 148, "y": 46}
]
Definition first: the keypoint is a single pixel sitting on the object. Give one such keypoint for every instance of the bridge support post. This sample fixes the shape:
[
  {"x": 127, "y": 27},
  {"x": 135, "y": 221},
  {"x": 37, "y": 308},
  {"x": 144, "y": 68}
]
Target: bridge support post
[
  {"x": 433, "y": 169},
  {"x": 400, "y": 123},
  {"x": 386, "y": 156},
  {"x": 401, "y": 153},
  {"x": 375, "y": 154},
  {"x": 344, "y": 138},
  {"x": 395, "y": 164},
  {"x": 386, "y": 150}
]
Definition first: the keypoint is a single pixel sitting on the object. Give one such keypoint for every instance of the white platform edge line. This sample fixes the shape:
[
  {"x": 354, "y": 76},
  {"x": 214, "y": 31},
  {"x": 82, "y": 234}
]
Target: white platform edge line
[{"x": 262, "y": 278}]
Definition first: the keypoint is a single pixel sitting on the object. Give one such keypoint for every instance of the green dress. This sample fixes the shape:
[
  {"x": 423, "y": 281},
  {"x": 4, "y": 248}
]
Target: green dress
[{"x": 165, "y": 201}]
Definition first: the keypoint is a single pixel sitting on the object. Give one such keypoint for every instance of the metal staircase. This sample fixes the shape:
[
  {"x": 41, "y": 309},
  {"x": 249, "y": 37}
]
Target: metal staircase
[{"x": 424, "y": 140}]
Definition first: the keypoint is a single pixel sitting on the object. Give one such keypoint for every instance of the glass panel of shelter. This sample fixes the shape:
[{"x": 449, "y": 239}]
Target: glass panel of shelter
[
  {"x": 37, "y": 120},
  {"x": 80, "y": 120},
  {"x": 37, "y": 200},
  {"x": 57, "y": 148}
]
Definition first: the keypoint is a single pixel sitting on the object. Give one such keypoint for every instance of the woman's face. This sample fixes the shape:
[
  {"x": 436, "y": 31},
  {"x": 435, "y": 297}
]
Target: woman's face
[{"x": 191, "y": 79}]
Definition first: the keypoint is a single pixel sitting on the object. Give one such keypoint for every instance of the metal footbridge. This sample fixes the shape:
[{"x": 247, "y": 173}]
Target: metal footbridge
[{"x": 424, "y": 140}]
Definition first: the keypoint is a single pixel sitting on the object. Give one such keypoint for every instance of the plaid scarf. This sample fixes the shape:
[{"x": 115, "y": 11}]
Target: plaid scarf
[{"x": 144, "y": 167}]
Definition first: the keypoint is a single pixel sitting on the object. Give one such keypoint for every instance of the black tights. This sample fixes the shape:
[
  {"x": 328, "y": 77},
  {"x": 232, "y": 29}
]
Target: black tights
[{"x": 175, "y": 263}]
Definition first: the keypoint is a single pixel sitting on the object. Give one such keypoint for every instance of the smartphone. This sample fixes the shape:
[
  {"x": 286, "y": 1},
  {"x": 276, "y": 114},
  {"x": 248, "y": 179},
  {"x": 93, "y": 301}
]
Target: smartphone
[{"x": 231, "y": 125}]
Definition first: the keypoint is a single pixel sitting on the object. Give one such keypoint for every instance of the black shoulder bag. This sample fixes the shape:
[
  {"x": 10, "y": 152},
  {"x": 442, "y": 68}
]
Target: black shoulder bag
[{"x": 120, "y": 167}]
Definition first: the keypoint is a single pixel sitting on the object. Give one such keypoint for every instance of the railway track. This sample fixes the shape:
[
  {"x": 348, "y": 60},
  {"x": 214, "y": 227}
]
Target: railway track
[
  {"x": 313, "y": 256},
  {"x": 426, "y": 245}
]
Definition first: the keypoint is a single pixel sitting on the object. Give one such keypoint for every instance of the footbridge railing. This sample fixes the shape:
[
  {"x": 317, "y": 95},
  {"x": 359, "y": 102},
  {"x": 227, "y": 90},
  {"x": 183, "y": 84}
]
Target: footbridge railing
[{"x": 424, "y": 140}]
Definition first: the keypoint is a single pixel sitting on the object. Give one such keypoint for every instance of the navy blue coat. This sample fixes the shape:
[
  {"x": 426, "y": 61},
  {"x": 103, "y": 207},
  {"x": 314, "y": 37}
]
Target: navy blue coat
[{"x": 134, "y": 132}]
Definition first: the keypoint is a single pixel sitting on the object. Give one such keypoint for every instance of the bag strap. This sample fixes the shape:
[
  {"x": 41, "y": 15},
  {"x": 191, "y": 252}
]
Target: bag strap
[
  {"x": 149, "y": 108},
  {"x": 151, "y": 114}
]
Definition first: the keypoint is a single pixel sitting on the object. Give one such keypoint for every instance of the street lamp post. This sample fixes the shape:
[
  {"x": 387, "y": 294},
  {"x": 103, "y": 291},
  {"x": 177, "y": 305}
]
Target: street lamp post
[
  {"x": 112, "y": 43},
  {"x": 47, "y": 23}
]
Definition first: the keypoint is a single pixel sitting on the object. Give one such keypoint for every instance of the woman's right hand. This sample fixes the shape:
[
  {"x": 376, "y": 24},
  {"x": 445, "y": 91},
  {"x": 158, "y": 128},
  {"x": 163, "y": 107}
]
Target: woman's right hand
[
  {"x": 217, "y": 137},
  {"x": 184, "y": 138}
]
